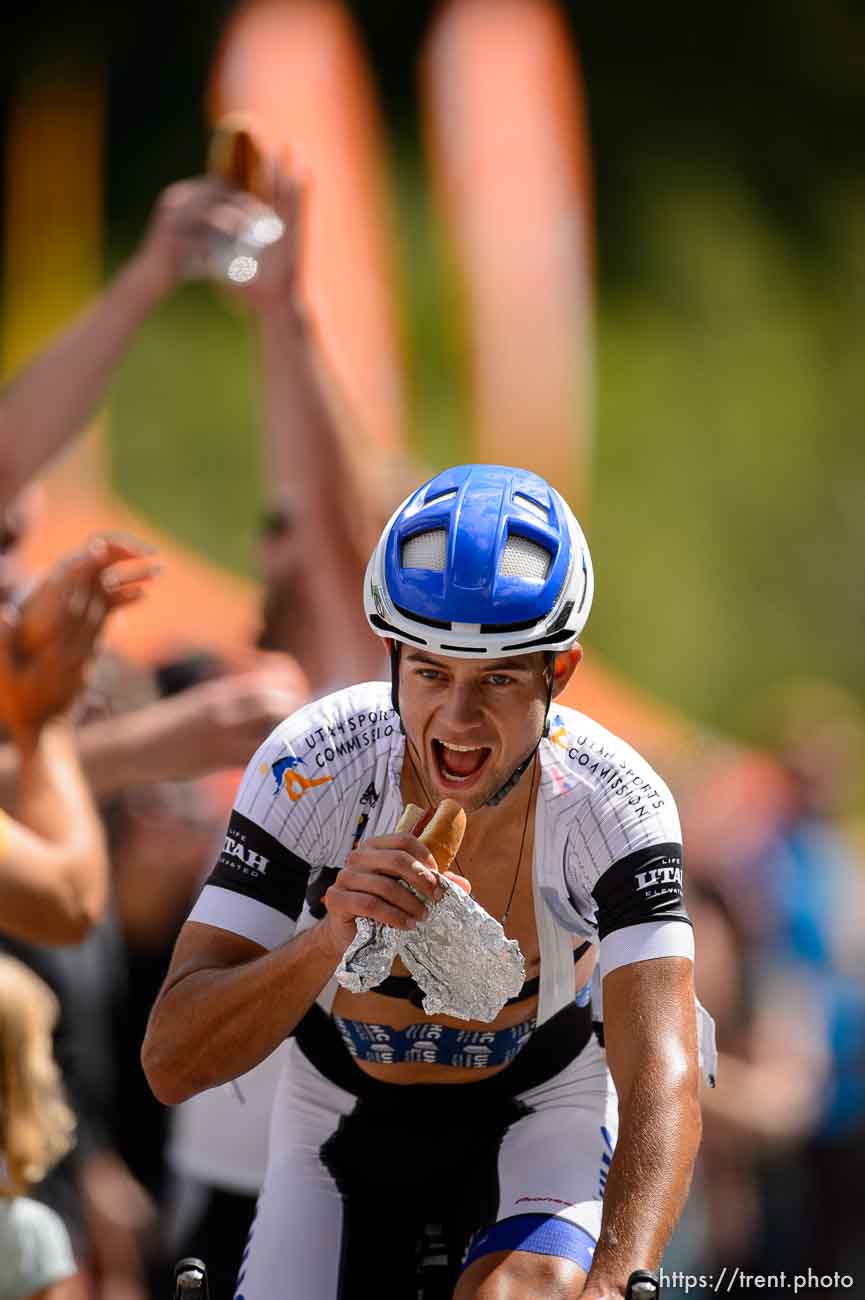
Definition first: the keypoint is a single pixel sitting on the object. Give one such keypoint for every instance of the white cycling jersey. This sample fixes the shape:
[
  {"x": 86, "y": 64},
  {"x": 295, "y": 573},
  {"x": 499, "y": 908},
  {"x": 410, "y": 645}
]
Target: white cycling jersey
[
  {"x": 537, "y": 1140},
  {"x": 607, "y": 847}
]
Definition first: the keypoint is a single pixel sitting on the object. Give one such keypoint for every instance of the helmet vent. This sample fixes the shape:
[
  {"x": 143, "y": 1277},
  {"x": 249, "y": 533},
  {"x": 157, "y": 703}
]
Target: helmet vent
[
  {"x": 533, "y": 507},
  {"x": 426, "y": 551},
  {"x": 522, "y": 558}
]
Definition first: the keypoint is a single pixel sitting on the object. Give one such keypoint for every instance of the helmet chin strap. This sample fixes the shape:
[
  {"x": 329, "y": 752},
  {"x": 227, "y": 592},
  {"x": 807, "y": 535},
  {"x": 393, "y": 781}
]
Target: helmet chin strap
[
  {"x": 522, "y": 767},
  {"x": 394, "y": 680}
]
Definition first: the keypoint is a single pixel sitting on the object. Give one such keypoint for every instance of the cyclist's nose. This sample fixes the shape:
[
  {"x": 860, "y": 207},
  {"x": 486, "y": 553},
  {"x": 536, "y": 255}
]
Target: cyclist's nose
[{"x": 460, "y": 711}]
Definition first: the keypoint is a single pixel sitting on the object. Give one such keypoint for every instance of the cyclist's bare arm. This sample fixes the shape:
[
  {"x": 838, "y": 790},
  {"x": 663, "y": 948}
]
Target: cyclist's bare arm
[
  {"x": 651, "y": 1040},
  {"x": 227, "y": 1003}
]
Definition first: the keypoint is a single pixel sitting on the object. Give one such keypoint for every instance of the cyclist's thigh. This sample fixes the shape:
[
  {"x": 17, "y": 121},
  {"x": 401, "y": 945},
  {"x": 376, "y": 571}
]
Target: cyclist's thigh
[{"x": 554, "y": 1160}]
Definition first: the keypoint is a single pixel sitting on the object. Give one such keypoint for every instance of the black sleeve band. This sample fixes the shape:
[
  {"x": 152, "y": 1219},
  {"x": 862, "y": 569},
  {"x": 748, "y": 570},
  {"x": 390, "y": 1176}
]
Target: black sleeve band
[
  {"x": 644, "y": 886},
  {"x": 254, "y": 863}
]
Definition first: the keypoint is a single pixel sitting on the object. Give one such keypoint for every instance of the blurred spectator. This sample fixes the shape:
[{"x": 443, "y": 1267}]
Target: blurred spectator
[
  {"x": 52, "y": 857},
  {"x": 330, "y": 493},
  {"x": 161, "y": 834},
  {"x": 781, "y": 967},
  {"x": 317, "y": 471},
  {"x": 330, "y": 497},
  {"x": 36, "y": 1128},
  {"x": 204, "y": 729},
  {"x": 158, "y": 860},
  {"x": 106, "y": 1212},
  {"x": 53, "y": 881},
  {"x": 772, "y": 1073},
  {"x": 812, "y": 884}
]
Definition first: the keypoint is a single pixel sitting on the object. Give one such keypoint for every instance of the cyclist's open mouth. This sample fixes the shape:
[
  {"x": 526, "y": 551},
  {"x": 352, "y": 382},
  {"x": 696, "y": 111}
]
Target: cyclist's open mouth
[{"x": 459, "y": 765}]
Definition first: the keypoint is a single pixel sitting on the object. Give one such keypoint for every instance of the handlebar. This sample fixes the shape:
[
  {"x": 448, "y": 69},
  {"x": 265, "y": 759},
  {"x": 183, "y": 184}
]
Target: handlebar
[
  {"x": 190, "y": 1280},
  {"x": 643, "y": 1285}
]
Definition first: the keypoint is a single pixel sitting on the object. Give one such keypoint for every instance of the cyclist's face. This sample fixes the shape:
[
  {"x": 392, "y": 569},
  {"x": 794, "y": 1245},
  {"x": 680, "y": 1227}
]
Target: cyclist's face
[{"x": 472, "y": 722}]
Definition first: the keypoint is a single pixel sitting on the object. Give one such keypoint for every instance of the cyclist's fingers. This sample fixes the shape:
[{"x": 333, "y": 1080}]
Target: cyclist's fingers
[
  {"x": 399, "y": 850},
  {"x": 359, "y": 882},
  {"x": 398, "y": 864},
  {"x": 463, "y": 882},
  {"x": 409, "y": 844},
  {"x": 347, "y": 904}
]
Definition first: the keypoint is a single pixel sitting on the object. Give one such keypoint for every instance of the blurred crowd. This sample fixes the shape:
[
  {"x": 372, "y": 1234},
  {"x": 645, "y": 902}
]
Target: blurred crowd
[
  {"x": 115, "y": 810},
  {"x": 778, "y": 905},
  {"x": 113, "y": 778}
]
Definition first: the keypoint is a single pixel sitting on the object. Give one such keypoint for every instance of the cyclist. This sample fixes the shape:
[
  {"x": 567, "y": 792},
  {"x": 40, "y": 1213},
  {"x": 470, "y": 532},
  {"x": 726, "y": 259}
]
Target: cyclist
[{"x": 502, "y": 1135}]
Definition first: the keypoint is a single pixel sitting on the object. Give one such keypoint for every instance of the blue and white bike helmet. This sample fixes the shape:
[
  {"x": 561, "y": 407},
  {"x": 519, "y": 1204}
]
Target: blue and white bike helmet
[{"x": 483, "y": 560}]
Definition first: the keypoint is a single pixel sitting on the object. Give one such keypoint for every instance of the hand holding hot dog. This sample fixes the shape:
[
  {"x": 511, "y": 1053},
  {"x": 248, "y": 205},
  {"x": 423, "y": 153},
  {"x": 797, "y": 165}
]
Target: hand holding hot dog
[{"x": 369, "y": 884}]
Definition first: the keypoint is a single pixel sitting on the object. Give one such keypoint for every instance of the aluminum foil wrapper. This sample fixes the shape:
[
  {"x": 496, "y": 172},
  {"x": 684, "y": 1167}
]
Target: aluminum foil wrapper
[{"x": 459, "y": 956}]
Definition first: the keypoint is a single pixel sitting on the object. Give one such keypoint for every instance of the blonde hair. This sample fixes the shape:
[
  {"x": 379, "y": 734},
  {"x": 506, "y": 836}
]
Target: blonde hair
[{"x": 36, "y": 1124}]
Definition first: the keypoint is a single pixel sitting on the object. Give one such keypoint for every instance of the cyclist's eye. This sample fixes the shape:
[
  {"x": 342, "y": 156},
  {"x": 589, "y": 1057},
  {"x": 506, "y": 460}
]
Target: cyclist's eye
[{"x": 499, "y": 679}]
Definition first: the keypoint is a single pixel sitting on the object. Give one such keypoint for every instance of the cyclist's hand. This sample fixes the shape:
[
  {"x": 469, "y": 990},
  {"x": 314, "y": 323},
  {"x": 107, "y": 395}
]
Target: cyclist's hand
[{"x": 369, "y": 885}]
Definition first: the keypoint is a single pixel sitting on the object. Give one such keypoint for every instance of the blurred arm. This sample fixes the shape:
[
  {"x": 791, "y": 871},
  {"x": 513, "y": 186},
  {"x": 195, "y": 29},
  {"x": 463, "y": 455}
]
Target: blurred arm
[
  {"x": 313, "y": 466},
  {"x": 207, "y": 728},
  {"x": 322, "y": 468},
  {"x": 52, "y": 399},
  {"x": 775, "y": 1092},
  {"x": 49, "y": 403},
  {"x": 207, "y": 1025},
  {"x": 53, "y": 862}
]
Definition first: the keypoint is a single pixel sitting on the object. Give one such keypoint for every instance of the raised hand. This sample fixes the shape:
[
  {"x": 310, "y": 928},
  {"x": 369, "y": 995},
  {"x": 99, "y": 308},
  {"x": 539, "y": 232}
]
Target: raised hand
[
  {"x": 110, "y": 569},
  {"x": 193, "y": 217},
  {"x": 46, "y": 644},
  {"x": 277, "y": 278}
]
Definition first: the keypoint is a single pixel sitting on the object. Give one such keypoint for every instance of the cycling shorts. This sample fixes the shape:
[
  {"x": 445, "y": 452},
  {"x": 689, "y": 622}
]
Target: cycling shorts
[{"x": 358, "y": 1168}]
